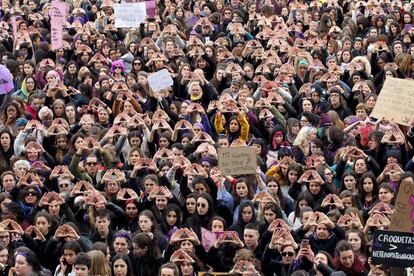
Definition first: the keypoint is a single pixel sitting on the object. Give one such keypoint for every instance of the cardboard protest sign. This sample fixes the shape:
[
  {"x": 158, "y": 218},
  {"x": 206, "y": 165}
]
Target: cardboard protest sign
[
  {"x": 237, "y": 160},
  {"x": 129, "y": 15},
  {"x": 396, "y": 101},
  {"x": 403, "y": 217},
  {"x": 393, "y": 248},
  {"x": 160, "y": 80}
]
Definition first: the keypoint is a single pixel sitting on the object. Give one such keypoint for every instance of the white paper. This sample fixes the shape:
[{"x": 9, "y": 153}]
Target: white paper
[{"x": 160, "y": 80}]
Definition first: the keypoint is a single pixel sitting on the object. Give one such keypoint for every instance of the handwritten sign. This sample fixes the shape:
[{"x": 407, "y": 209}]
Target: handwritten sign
[
  {"x": 393, "y": 248},
  {"x": 396, "y": 101},
  {"x": 150, "y": 6},
  {"x": 160, "y": 80},
  {"x": 129, "y": 15},
  {"x": 403, "y": 217},
  {"x": 57, "y": 14},
  {"x": 237, "y": 160}
]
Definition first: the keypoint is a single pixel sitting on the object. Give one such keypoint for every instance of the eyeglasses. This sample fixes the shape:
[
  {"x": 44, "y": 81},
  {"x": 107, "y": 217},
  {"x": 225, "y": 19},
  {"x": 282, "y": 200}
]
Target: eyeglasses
[
  {"x": 91, "y": 163},
  {"x": 290, "y": 254},
  {"x": 202, "y": 205},
  {"x": 137, "y": 63}
]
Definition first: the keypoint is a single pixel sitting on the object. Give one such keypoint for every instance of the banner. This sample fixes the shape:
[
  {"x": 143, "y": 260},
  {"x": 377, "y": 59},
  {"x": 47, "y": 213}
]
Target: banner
[
  {"x": 237, "y": 160},
  {"x": 396, "y": 101}
]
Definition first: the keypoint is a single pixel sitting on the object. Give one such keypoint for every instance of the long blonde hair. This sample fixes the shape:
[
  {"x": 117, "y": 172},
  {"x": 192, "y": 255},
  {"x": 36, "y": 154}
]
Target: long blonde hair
[{"x": 99, "y": 263}]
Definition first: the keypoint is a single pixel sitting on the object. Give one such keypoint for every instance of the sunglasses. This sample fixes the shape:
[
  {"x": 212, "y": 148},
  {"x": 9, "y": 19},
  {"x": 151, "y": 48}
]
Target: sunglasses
[
  {"x": 202, "y": 205},
  {"x": 91, "y": 163},
  {"x": 137, "y": 63},
  {"x": 63, "y": 185},
  {"x": 290, "y": 254},
  {"x": 32, "y": 194},
  {"x": 117, "y": 67}
]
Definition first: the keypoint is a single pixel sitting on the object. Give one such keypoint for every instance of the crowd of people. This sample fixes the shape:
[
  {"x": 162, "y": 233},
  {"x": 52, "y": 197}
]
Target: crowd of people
[{"x": 102, "y": 175}]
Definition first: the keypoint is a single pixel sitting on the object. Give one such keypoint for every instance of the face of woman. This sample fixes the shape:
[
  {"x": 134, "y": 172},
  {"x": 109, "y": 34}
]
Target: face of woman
[
  {"x": 349, "y": 182},
  {"x": 272, "y": 187},
  {"x": 269, "y": 216},
  {"x": 22, "y": 267},
  {"x": 355, "y": 241},
  {"x": 202, "y": 206},
  {"x": 8, "y": 183},
  {"x": 217, "y": 226},
  {"x": 314, "y": 188},
  {"x": 69, "y": 255},
  {"x": 31, "y": 197},
  {"x": 120, "y": 268},
  {"x": 234, "y": 126},
  {"x": 11, "y": 112},
  {"x": 30, "y": 84},
  {"x": 121, "y": 245},
  {"x": 70, "y": 112},
  {"x": 186, "y": 269},
  {"x": 360, "y": 166},
  {"x": 172, "y": 218},
  {"x": 190, "y": 204},
  {"x": 242, "y": 190},
  {"x": 187, "y": 246},
  {"x": 385, "y": 195},
  {"x": 103, "y": 116},
  {"x": 54, "y": 208},
  {"x": 131, "y": 210},
  {"x": 371, "y": 102},
  {"x": 288, "y": 255},
  {"x": 321, "y": 258},
  {"x": 43, "y": 225},
  {"x": 28, "y": 69},
  {"x": 149, "y": 185},
  {"x": 145, "y": 223},
  {"x": 133, "y": 157},
  {"x": 4, "y": 255},
  {"x": 5, "y": 140},
  {"x": 247, "y": 214},
  {"x": 368, "y": 185},
  {"x": 161, "y": 203}
]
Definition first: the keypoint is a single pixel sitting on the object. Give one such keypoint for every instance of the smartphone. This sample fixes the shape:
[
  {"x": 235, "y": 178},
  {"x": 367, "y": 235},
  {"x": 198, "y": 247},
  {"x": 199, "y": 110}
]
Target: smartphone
[
  {"x": 407, "y": 27},
  {"x": 304, "y": 243}
]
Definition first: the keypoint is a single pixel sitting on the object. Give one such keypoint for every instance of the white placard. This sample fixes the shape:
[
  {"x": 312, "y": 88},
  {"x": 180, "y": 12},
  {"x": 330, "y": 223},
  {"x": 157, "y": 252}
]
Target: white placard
[
  {"x": 160, "y": 80},
  {"x": 129, "y": 15}
]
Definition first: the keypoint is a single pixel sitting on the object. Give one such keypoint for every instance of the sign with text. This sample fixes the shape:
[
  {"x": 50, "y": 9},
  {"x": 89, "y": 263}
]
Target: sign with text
[
  {"x": 150, "y": 6},
  {"x": 160, "y": 80},
  {"x": 237, "y": 160},
  {"x": 403, "y": 217},
  {"x": 57, "y": 14},
  {"x": 396, "y": 101},
  {"x": 393, "y": 248},
  {"x": 129, "y": 15}
]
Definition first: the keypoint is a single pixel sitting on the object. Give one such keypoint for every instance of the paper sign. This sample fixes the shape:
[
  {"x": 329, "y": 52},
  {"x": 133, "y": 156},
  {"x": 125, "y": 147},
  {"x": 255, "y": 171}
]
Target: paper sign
[
  {"x": 151, "y": 8},
  {"x": 393, "y": 248},
  {"x": 57, "y": 14},
  {"x": 396, "y": 101},
  {"x": 160, "y": 80},
  {"x": 56, "y": 35},
  {"x": 129, "y": 15},
  {"x": 402, "y": 218},
  {"x": 237, "y": 160}
]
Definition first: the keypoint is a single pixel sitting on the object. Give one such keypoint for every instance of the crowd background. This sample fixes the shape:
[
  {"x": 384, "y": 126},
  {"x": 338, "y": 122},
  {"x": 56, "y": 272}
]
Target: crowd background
[{"x": 100, "y": 175}]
